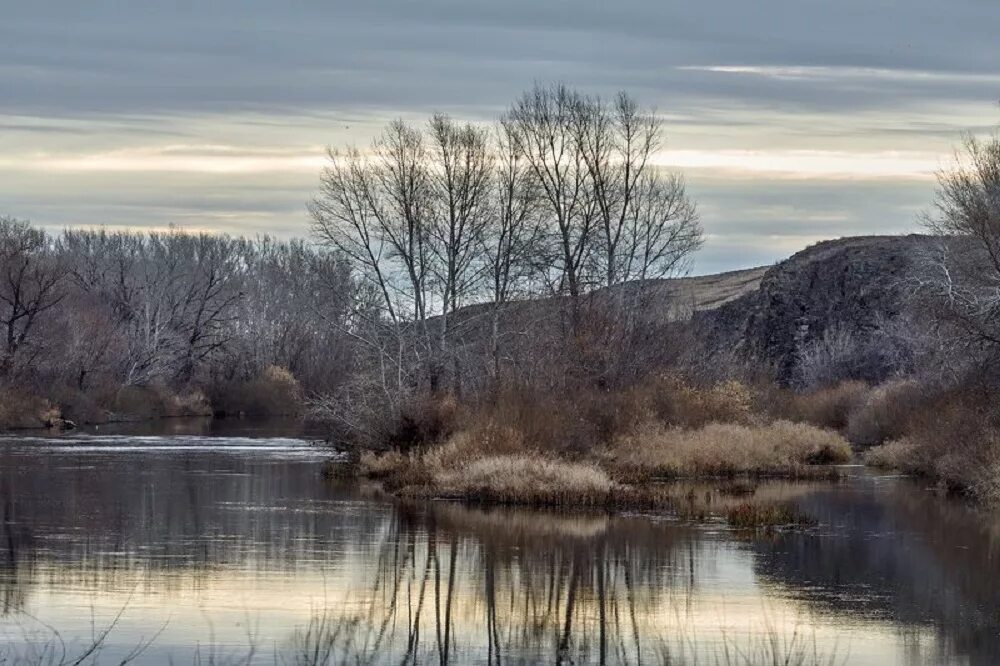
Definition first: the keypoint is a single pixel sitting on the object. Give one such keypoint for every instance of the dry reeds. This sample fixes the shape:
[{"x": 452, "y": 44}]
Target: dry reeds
[{"x": 778, "y": 449}]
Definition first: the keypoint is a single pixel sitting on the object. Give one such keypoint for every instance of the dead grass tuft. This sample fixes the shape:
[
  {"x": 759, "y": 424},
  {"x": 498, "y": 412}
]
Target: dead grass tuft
[
  {"x": 765, "y": 516},
  {"x": 779, "y": 449},
  {"x": 526, "y": 479}
]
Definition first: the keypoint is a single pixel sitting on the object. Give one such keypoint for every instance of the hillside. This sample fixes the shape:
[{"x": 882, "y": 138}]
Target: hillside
[{"x": 852, "y": 283}]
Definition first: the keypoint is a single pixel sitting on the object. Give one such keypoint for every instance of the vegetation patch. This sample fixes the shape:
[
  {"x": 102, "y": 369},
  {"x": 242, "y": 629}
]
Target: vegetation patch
[
  {"x": 779, "y": 449},
  {"x": 751, "y": 516},
  {"x": 513, "y": 451}
]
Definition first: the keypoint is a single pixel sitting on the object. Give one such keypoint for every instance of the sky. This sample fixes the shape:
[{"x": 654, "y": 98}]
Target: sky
[{"x": 792, "y": 120}]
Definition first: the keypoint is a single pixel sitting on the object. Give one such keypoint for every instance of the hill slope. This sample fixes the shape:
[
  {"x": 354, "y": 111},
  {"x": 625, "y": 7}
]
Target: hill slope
[{"x": 852, "y": 283}]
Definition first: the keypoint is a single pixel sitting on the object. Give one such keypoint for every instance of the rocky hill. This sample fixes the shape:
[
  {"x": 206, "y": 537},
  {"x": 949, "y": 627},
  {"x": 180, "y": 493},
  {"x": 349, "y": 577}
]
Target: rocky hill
[{"x": 854, "y": 284}]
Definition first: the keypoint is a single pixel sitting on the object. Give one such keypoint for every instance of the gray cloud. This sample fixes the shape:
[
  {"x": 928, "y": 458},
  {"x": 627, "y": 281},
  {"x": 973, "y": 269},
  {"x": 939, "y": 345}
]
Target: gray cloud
[{"x": 262, "y": 79}]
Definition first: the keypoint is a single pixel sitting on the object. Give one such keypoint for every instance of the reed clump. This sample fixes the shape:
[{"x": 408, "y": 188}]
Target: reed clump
[{"x": 779, "y": 449}]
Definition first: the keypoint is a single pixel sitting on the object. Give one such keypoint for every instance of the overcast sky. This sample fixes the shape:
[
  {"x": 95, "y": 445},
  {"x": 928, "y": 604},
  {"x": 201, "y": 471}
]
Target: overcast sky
[{"x": 793, "y": 120}]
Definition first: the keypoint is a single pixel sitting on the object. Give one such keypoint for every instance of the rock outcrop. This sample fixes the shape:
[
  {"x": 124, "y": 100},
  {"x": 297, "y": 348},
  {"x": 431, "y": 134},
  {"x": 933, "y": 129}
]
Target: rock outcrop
[{"x": 854, "y": 284}]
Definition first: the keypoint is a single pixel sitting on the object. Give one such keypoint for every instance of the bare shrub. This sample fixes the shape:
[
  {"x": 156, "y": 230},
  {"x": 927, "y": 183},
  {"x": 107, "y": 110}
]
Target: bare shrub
[
  {"x": 829, "y": 407},
  {"x": 421, "y": 422},
  {"x": 275, "y": 392},
  {"x": 887, "y": 412},
  {"x": 677, "y": 403},
  {"x": 954, "y": 439},
  {"x": 21, "y": 410},
  {"x": 841, "y": 355},
  {"x": 779, "y": 449}
]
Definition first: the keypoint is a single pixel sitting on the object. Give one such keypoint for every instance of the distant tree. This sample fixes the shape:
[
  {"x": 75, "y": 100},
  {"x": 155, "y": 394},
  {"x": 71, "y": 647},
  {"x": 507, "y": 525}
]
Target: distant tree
[{"x": 31, "y": 285}]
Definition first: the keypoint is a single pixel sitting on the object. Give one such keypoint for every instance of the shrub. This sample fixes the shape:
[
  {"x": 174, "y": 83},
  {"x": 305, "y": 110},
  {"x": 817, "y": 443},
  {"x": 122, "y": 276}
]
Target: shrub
[
  {"x": 678, "y": 403},
  {"x": 275, "y": 392},
  {"x": 829, "y": 407},
  {"x": 779, "y": 449},
  {"x": 149, "y": 402},
  {"x": 421, "y": 422},
  {"x": 887, "y": 412},
  {"x": 953, "y": 440},
  {"x": 19, "y": 409}
]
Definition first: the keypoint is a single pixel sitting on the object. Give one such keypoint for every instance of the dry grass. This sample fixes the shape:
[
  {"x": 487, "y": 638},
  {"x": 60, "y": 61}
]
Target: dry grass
[
  {"x": 464, "y": 468},
  {"x": 750, "y": 515},
  {"x": 902, "y": 455},
  {"x": 591, "y": 448},
  {"x": 526, "y": 479},
  {"x": 778, "y": 449}
]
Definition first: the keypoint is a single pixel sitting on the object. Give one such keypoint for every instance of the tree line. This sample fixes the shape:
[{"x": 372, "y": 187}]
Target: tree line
[
  {"x": 560, "y": 198},
  {"x": 92, "y": 311},
  {"x": 425, "y": 247}
]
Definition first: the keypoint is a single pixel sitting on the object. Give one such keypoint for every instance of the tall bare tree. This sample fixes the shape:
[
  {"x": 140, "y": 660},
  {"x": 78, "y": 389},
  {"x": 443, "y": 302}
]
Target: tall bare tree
[
  {"x": 545, "y": 124},
  {"x": 963, "y": 275},
  {"x": 31, "y": 281},
  {"x": 512, "y": 239},
  {"x": 460, "y": 175}
]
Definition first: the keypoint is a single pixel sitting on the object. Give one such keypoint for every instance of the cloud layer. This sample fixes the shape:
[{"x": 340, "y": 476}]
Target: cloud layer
[{"x": 793, "y": 120}]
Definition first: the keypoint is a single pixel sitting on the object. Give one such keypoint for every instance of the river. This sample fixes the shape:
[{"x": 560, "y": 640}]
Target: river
[{"x": 201, "y": 542}]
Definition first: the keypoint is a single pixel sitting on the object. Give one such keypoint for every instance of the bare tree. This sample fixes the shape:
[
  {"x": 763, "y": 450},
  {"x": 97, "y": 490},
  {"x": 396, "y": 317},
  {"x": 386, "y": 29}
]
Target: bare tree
[
  {"x": 31, "y": 281},
  {"x": 617, "y": 142},
  {"x": 545, "y": 124},
  {"x": 511, "y": 240},
  {"x": 460, "y": 174},
  {"x": 963, "y": 275},
  {"x": 660, "y": 232}
]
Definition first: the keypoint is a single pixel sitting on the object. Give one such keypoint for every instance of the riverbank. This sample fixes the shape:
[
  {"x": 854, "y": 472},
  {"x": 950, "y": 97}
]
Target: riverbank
[
  {"x": 603, "y": 450},
  {"x": 275, "y": 393},
  {"x": 613, "y": 450}
]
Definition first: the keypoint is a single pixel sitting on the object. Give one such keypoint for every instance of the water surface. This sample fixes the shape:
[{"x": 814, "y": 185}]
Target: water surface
[{"x": 201, "y": 541}]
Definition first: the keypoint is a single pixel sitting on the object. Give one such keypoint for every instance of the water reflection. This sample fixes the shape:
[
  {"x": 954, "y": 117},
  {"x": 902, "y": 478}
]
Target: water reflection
[{"x": 235, "y": 553}]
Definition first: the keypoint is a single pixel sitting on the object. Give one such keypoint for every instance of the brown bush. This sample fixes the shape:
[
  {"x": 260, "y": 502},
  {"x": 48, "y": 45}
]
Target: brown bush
[
  {"x": 953, "y": 439},
  {"x": 275, "y": 392},
  {"x": 887, "y": 413},
  {"x": 421, "y": 422},
  {"x": 19, "y": 409},
  {"x": 829, "y": 407},
  {"x": 518, "y": 419},
  {"x": 677, "y": 403},
  {"x": 150, "y": 402}
]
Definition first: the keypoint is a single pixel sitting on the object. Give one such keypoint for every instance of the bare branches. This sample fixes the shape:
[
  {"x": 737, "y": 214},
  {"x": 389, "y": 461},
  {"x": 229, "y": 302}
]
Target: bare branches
[
  {"x": 559, "y": 197},
  {"x": 962, "y": 278},
  {"x": 31, "y": 281}
]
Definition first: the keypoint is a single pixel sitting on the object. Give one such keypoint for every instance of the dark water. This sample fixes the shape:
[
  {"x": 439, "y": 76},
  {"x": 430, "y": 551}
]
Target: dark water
[{"x": 223, "y": 544}]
